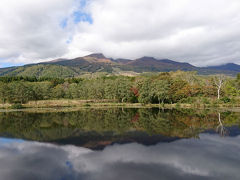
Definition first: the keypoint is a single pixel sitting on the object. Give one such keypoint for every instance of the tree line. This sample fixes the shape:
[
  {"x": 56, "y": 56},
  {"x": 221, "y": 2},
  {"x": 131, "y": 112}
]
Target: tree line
[{"x": 162, "y": 88}]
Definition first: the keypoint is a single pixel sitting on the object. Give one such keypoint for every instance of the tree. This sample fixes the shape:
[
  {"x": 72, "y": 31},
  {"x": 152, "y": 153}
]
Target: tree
[
  {"x": 110, "y": 89},
  {"x": 218, "y": 82},
  {"x": 160, "y": 89},
  {"x": 123, "y": 87},
  {"x": 72, "y": 91},
  {"x": 178, "y": 90},
  {"x": 144, "y": 92},
  {"x": 230, "y": 88},
  {"x": 58, "y": 92},
  {"x": 4, "y": 92},
  {"x": 20, "y": 92},
  {"x": 41, "y": 90}
]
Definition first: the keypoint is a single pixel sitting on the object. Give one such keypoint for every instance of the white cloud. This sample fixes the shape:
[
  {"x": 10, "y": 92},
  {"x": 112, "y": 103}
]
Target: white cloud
[
  {"x": 31, "y": 30},
  {"x": 202, "y": 32}
]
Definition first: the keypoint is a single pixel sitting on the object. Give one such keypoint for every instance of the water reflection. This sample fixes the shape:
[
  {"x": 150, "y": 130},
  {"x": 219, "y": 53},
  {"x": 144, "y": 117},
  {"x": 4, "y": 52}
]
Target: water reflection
[
  {"x": 210, "y": 157},
  {"x": 220, "y": 128},
  {"x": 97, "y": 128},
  {"x": 120, "y": 144}
]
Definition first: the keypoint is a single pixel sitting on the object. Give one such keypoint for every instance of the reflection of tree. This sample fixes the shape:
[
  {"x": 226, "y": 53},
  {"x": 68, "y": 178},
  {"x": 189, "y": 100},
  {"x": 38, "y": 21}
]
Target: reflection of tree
[
  {"x": 59, "y": 125},
  {"x": 220, "y": 128}
]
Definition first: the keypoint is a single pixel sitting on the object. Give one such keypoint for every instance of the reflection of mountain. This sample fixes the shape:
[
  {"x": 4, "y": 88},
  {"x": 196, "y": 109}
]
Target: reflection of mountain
[
  {"x": 97, "y": 141},
  {"x": 96, "y": 128}
]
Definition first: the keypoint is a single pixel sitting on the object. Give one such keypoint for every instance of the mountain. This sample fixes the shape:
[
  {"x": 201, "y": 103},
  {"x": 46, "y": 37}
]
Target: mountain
[
  {"x": 122, "y": 61},
  {"x": 99, "y": 63},
  {"x": 39, "y": 70},
  {"x": 152, "y": 64},
  {"x": 96, "y": 56},
  {"x": 228, "y": 67}
]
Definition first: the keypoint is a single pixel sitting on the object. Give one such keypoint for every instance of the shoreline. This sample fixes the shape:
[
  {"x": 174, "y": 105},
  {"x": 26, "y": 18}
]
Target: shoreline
[{"x": 59, "y": 105}]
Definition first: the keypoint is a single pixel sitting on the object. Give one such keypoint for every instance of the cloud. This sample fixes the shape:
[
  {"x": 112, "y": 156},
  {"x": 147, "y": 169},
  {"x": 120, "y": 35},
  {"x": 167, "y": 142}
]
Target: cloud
[
  {"x": 30, "y": 30},
  {"x": 200, "y": 32},
  {"x": 205, "y": 32},
  {"x": 210, "y": 157}
]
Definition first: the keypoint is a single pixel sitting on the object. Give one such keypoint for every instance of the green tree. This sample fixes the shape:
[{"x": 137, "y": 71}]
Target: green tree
[
  {"x": 20, "y": 92},
  {"x": 4, "y": 92},
  {"x": 160, "y": 89},
  {"x": 145, "y": 89},
  {"x": 58, "y": 92}
]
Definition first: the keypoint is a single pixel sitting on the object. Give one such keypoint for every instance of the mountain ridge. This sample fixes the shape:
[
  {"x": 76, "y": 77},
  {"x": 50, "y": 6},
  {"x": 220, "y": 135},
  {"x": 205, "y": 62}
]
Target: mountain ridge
[{"x": 97, "y": 62}]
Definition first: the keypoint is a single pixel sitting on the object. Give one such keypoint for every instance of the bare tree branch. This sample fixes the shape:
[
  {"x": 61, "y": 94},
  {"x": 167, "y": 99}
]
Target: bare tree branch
[{"x": 219, "y": 81}]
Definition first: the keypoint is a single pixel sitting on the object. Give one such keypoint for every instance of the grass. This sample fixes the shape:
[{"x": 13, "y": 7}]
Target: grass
[
  {"x": 17, "y": 106},
  {"x": 78, "y": 103},
  {"x": 5, "y": 106},
  {"x": 75, "y": 104}
]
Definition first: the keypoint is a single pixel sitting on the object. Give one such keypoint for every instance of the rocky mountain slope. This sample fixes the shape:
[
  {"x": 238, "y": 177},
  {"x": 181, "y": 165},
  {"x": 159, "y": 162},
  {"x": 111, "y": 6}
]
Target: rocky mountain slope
[{"x": 99, "y": 63}]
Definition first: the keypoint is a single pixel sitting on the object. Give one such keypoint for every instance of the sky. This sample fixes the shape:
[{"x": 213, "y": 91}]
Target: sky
[{"x": 201, "y": 32}]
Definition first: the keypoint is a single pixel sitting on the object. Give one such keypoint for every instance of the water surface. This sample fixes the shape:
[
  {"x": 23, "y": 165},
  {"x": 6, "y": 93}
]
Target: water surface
[{"x": 120, "y": 144}]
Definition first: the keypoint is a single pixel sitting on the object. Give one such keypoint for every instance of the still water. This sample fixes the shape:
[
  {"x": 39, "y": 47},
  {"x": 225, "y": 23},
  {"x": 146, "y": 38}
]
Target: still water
[{"x": 119, "y": 144}]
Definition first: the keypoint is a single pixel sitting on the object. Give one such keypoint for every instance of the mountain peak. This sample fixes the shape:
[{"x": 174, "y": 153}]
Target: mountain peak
[
  {"x": 96, "y": 55},
  {"x": 144, "y": 58}
]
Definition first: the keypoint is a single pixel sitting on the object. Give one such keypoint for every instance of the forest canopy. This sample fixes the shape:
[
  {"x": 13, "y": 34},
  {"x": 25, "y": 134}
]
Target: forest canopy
[{"x": 162, "y": 88}]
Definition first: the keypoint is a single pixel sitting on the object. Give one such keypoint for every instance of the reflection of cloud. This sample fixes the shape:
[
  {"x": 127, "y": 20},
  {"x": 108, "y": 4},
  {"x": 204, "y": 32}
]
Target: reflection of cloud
[{"x": 211, "y": 157}]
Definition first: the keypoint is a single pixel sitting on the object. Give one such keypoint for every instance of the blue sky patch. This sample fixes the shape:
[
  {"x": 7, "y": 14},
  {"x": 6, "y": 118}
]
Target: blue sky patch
[
  {"x": 79, "y": 16},
  {"x": 83, "y": 3},
  {"x": 64, "y": 23},
  {"x": 8, "y": 64},
  {"x": 69, "y": 40},
  {"x": 9, "y": 141}
]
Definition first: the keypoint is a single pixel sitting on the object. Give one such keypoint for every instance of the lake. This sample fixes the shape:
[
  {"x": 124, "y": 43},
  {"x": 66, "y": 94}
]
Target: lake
[{"x": 119, "y": 143}]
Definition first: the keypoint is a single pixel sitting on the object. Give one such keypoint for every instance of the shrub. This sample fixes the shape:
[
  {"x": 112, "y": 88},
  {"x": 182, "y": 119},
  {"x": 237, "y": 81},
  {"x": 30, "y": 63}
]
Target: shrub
[
  {"x": 225, "y": 99},
  {"x": 189, "y": 100},
  {"x": 178, "y": 105},
  {"x": 17, "y": 106},
  {"x": 205, "y": 101}
]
